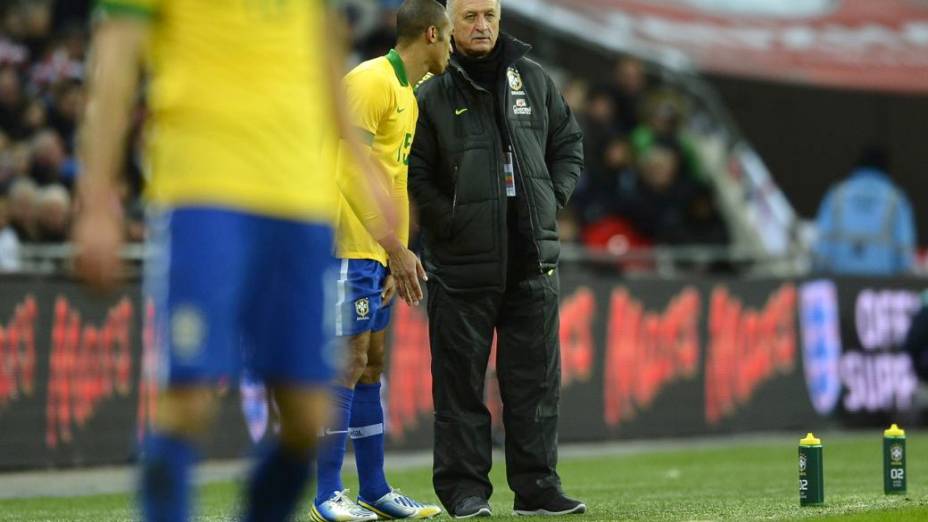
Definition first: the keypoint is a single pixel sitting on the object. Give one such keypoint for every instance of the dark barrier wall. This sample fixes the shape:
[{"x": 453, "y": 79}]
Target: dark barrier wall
[
  {"x": 78, "y": 377},
  {"x": 640, "y": 358}
]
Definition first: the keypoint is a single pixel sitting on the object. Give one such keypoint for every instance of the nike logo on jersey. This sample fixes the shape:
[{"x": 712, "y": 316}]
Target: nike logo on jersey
[
  {"x": 460, "y": 112},
  {"x": 400, "y": 110}
]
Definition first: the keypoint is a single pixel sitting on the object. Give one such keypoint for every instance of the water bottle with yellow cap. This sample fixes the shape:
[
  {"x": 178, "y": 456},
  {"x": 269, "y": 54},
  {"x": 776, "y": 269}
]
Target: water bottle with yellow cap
[
  {"x": 811, "y": 472},
  {"x": 894, "y": 461}
]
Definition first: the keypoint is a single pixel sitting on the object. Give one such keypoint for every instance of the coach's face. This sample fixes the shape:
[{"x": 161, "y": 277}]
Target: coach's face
[{"x": 476, "y": 26}]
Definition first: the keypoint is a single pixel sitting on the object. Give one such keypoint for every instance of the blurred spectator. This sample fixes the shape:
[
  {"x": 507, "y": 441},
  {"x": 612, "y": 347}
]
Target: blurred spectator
[
  {"x": 576, "y": 93},
  {"x": 667, "y": 207},
  {"x": 50, "y": 161},
  {"x": 22, "y": 208},
  {"x": 11, "y": 53},
  {"x": 600, "y": 187},
  {"x": 66, "y": 110},
  {"x": 865, "y": 223},
  {"x": 34, "y": 117},
  {"x": 12, "y": 104},
  {"x": 15, "y": 161},
  {"x": 656, "y": 199},
  {"x": 665, "y": 114},
  {"x": 53, "y": 214},
  {"x": 9, "y": 243},
  {"x": 630, "y": 84},
  {"x": 598, "y": 122}
]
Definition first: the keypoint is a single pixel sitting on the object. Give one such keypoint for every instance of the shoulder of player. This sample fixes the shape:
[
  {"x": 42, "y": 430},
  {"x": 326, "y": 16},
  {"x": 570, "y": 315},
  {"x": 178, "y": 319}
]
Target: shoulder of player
[
  {"x": 431, "y": 83},
  {"x": 372, "y": 74}
]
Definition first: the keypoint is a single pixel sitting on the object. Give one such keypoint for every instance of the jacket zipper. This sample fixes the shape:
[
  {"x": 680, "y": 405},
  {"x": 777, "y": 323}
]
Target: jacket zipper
[
  {"x": 515, "y": 159},
  {"x": 454, "y": 198},
  {"x": 520, "y": 173}
]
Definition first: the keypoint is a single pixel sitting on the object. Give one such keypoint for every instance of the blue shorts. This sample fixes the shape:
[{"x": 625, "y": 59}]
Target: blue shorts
[
  {"x": 359, "y": 307},
  {"x": 233, "y": 288}
]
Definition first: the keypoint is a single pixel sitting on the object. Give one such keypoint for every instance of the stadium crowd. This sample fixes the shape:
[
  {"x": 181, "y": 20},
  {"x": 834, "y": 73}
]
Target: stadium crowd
[{"x": 644, "y": 181}]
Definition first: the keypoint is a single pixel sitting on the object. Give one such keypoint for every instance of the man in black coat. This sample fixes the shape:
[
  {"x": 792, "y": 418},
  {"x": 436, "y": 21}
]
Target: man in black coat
[{"x": 497, "y": 153}]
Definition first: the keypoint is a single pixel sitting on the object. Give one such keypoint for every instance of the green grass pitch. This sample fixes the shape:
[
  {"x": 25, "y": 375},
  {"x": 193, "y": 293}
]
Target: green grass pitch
[{"x": 750, "y": 480}]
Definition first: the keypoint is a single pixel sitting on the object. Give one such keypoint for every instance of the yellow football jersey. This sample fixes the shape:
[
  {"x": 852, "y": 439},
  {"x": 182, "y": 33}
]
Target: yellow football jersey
[
  {"x": 383, "y": 107},
  {"x": 240, "y": 106}
]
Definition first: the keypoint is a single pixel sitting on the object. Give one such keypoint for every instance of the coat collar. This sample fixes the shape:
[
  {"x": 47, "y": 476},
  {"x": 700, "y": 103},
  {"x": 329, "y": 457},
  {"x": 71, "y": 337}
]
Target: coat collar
[{"x": 513, "y": 51}]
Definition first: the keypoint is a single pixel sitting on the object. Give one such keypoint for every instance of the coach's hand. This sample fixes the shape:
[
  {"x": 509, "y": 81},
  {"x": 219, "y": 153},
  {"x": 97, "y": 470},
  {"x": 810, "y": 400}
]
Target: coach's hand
[{"x": 407, "y": 269}]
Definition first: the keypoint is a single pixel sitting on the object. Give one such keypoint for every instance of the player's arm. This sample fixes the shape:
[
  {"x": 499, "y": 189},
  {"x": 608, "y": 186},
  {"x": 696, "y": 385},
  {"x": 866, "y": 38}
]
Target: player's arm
[
  {"x": 369, "y": 103},
  {"x": 404, "y": 265},
  {"x": 377, "y": 197},
  {"x": 113, "y": 76},
  {"x": 365, "y": 105}
]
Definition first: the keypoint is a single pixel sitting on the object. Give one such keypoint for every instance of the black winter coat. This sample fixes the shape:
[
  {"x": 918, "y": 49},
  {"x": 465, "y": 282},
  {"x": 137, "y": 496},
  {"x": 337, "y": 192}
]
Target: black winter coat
[{"x": 456, "y": 169}]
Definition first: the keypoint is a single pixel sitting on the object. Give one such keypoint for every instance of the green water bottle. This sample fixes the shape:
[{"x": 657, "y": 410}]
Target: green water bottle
[
  {"x": 811, "y": 472},
  {"x": 894, "y": 461}
]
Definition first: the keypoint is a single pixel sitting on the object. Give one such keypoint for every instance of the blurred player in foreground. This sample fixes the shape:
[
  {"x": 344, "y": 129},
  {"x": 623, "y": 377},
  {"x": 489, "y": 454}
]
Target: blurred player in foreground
[
  {"x": 241, "y": 103},
  {"x": 383, "y": 109}
]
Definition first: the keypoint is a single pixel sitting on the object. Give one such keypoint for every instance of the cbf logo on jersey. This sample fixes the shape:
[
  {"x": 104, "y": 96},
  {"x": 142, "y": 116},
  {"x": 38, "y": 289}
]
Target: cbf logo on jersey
[
  {"x": 362, "y": 307},
  {"x": 188, "y": 331}
]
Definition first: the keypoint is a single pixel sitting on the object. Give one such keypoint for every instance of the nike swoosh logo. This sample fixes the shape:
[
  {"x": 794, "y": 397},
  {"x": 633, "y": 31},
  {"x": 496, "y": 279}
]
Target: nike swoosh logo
[
  {"x": 400, "y": 110},
  {"x": 460, "y": 112}
]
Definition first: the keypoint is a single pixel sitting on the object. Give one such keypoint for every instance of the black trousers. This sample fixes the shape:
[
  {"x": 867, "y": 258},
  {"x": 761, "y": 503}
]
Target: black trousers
[{"x": 461, "y": 327}]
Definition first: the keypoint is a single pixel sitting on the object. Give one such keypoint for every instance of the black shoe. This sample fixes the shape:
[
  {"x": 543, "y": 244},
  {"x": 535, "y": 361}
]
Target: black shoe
[
  {"x": 553, "y": 505},
  {"x": 471, "y": 507}
]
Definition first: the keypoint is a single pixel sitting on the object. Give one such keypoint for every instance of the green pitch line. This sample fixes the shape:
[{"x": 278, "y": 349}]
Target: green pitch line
[{"x": 748, "y": 481}]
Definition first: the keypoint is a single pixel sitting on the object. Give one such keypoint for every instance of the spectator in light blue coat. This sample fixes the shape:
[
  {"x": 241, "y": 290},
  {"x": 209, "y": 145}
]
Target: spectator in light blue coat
[{"x": 865, "y": 224}]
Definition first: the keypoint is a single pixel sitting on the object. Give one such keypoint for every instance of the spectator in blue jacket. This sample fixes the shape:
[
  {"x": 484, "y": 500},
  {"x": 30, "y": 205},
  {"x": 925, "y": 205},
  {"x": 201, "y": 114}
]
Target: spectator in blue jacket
[{"x": 865, "y": 224}]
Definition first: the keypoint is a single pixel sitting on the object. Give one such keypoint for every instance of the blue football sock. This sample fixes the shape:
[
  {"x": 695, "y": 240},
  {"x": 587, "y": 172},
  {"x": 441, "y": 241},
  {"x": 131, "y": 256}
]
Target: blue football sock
[
  {"x": 332, "y": 446},
  {"x": 277, "y": 483},
  {"x": 367, "y": 439},
  {"x": 166, "y": 464}
]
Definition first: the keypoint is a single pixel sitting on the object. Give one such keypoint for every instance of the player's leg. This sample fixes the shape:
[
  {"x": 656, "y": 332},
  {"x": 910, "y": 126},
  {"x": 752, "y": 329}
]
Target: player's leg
[
  {"x": 357, "y": 307},
  {"x": 171, "y": 451},
  {"x": 290, "y": 325},
  {"x": 330, "y": 503},
  {"x": 192, "y": 277},
  {"x": 367, "y": 436}
]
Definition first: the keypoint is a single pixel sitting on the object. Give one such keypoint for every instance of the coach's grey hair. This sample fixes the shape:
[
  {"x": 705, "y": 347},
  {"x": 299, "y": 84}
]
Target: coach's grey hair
[{"x": 450, "y": 6}]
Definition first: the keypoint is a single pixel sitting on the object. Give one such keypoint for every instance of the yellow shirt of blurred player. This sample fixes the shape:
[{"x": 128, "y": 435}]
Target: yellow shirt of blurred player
[
  {"x": 240, "y": 106},
  {"x": 383, "y": 107}
]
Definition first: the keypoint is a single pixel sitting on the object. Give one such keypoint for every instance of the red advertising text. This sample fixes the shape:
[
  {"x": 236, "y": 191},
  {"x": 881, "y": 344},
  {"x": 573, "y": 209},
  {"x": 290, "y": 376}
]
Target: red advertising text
[
  {"x": 87, "y": 364},
  {"x": 747, "y": 348},
  {"x": 646, "y": 351},
  {"x": 576, "y": 335},
  {"x": 409, "y": 378},
  {"x": 17, "y": 353}
]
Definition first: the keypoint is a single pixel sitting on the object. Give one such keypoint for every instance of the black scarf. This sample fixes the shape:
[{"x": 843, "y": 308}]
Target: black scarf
[{"x": 485, "y": 70}]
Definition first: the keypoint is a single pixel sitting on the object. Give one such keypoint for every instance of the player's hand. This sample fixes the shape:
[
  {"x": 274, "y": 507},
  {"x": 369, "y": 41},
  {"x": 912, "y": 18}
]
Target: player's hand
[
  {"x": 98, "y": 237},
  {"x": 407, "y": 269},
  {"x": 389, "y": 290}
]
